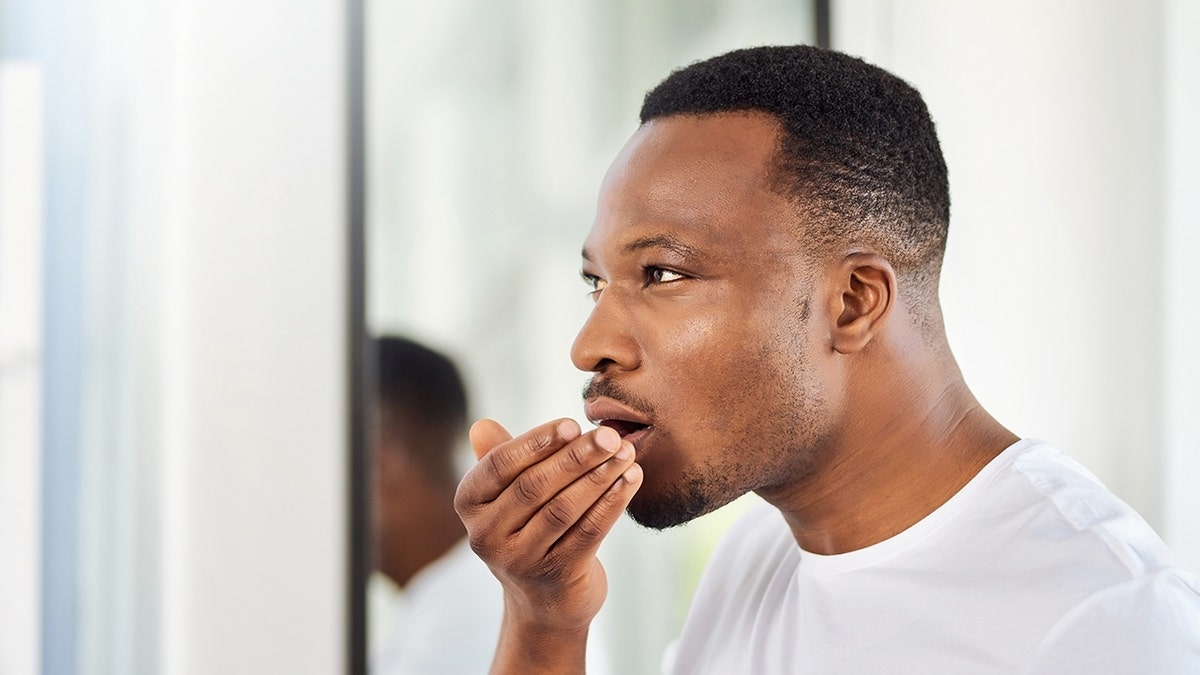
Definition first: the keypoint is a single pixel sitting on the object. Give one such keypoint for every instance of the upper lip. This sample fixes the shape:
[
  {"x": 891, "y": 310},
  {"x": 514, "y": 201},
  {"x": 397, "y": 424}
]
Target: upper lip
[{"x": 604, "y": 408}]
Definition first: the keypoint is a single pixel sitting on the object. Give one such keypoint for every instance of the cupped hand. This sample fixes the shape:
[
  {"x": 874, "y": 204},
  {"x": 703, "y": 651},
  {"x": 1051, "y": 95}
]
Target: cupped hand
[{"x": 537, "y": 508}]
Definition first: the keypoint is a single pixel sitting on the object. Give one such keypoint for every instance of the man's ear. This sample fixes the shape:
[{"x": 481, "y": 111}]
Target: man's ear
[{"x": 862, "y": 296}]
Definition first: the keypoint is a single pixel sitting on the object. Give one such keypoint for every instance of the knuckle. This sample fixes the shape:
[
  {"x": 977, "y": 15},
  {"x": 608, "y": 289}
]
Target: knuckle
[
  {"x": 527, "y": 488},
  {"x": 616, "y": 495},
  {"x": 490, "y": 545},
  {"x": 600, "y": 476},
  {"x": 558, "y": 514},
  {"x": 589, "y": 527},
  {"x": 462, "y": 506},
  {"x": 479, "y": 543},
  {"x": 599, "y": 518},
  {"x": 536, "y": 442},
  {"x": 496, "y": 464},
  {"x": 485, "y": 543},
  {"x": 464, "y": 502},
  {"x": 576, "y": 456},
  {"x": 473, "y": 493}
]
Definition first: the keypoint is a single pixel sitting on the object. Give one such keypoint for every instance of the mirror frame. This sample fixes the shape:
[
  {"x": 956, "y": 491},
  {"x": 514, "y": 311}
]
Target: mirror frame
[
  {"x": 358, "y": 565},
  {"x": 358, "y": 358}
]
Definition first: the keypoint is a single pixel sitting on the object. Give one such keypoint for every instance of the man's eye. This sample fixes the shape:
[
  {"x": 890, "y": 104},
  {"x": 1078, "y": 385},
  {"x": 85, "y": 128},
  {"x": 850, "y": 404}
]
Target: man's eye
[
  {"x": 595, "y": 283},
  {"x": 658, "y": 275}
]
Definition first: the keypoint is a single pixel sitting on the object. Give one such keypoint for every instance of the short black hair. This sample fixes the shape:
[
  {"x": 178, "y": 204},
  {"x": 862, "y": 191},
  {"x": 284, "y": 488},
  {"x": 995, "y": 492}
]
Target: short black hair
[
  {"x": 421, "y": 394},
  {"x": 858, "y": 150}
]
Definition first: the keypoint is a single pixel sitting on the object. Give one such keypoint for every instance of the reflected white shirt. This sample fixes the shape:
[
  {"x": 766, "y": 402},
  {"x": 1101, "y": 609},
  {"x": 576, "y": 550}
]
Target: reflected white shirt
[{"x": 445, "y": 622}]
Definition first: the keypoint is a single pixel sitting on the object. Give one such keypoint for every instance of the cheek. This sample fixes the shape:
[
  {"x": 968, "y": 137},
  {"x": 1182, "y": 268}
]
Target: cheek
[
  {"x": 700, "y": 350},
  {"x": 718, "y": 368},
  {"x": 728, "y": 356}
]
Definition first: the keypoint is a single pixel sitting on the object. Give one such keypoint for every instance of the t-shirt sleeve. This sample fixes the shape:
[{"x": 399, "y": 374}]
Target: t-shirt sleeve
[{"x": 1145, "y": 626}]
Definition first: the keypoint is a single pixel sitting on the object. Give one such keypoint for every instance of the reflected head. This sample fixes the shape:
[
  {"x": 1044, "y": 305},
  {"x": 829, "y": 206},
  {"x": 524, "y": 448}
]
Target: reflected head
[{"x": 422, "y": 404}]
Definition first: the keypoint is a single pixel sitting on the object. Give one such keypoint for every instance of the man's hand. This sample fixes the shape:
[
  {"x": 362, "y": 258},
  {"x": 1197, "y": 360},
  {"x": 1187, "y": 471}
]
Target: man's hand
[{"x": 536, "y": 508}]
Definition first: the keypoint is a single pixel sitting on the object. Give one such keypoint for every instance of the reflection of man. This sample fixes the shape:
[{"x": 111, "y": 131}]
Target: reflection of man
[
  {"x": 765, "y": 264},
  {"x": 446, "y": 614}
]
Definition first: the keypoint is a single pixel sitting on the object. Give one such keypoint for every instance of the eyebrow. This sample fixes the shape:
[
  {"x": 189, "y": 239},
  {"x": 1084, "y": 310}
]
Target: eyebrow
[{"x": 664, "y": 241}]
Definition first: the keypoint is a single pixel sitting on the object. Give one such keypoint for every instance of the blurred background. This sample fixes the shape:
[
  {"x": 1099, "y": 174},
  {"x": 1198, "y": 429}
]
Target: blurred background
[{"x": 179, "y": 183}]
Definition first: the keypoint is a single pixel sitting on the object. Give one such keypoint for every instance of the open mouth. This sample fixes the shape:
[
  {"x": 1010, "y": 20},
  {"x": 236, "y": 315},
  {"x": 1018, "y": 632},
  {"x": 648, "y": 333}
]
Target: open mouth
[
  {"x": 632, "y": 425},
  {"x": 624, "y": 427}
]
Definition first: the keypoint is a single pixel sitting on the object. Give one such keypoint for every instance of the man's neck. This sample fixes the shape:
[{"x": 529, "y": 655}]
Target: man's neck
[
  {"x": 437, "y": 531},
  {"x": 904, "y": 451}
]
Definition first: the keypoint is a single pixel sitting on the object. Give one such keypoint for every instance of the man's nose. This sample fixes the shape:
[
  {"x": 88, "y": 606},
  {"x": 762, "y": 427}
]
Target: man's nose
[{"x": 606, "y": 341}]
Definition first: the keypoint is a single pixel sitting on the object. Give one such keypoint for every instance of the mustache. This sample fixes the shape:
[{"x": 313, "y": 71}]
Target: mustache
[{"x": 597, "y": 387}]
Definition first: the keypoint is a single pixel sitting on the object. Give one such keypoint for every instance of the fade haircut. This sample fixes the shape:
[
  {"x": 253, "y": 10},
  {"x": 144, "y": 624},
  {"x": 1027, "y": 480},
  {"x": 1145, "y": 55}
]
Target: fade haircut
[{"x": 859, "y": 155}]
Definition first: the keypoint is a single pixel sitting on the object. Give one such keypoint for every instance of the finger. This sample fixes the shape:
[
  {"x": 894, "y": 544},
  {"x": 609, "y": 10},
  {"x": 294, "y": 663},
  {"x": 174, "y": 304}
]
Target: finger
[
  {"x": 497, "y": 469},
  {"x": 582, "y": 513},
  {"x": 486, "y": 434},
  {"x": 583, "y": 539},
  {"x": 536, "y": 486}
]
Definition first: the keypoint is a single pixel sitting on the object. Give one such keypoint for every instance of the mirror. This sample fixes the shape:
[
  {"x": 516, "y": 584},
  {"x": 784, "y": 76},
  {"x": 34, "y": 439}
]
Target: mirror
[{"x": 489, "y": 126}]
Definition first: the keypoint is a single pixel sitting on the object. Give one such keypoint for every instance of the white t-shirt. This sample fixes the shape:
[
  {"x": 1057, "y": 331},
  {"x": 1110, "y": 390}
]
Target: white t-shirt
[
  {"x": 1033, "y": 567},
  {"x": 445, "y": 622}
]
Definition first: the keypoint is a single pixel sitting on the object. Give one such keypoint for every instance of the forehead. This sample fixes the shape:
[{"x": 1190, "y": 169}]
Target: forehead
[{"x": 704, "y": 178}]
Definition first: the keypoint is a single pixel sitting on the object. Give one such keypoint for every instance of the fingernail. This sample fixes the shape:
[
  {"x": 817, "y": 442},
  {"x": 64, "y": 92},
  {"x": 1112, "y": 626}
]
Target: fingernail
[
  {"x": 608, "y": 438},
  {"x": 568, "y": 430},
  {"x": 626, "y": 451},
  {"x": 633, "y": 474}
]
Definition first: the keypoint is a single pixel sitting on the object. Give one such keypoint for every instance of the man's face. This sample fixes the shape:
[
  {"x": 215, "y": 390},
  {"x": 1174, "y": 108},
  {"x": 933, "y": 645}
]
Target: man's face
[{"x": 700, "y": 338}]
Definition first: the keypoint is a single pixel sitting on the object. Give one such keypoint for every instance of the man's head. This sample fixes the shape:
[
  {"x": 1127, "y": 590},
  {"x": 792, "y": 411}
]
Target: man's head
[
  {"x": 422, "y": 407},
  {"x": 775, "y": 208},
  {"x": 858, "y": 154},
  {"x": 420, "y": 419}
]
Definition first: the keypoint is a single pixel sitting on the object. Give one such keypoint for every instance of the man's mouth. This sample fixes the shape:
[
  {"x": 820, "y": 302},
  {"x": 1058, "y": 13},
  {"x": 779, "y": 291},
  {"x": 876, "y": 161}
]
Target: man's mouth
[
  {"x": 631, "y": 424},
  {"x": 623, "y": 427}
]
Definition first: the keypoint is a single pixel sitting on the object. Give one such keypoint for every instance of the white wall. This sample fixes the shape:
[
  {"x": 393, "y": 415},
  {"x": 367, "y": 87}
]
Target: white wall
[
  {"x": 21, "y": 153},
  {"x": 1052, "y": 118},
  {"x": 1179, "y": 361},
  {"x": 253, "y": 324},
  {"x": 200, "y": 146}
]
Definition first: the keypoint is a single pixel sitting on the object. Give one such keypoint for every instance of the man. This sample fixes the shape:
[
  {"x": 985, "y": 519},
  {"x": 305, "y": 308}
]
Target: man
[
  {"x": 764, "y": 265},
  {"x": 443, "y": 614}
]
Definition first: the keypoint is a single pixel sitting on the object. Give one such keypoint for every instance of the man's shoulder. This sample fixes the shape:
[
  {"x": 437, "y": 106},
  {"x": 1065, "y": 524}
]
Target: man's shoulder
[
  {"x": 1154, "y": 616},
  {"x": 1033, "y": 507},
  {"x": 1065, "y": 512}
]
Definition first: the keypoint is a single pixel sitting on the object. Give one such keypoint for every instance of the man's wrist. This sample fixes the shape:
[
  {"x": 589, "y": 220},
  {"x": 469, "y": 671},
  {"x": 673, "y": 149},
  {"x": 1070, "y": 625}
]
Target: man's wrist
[{"x": 530, "y": 644}]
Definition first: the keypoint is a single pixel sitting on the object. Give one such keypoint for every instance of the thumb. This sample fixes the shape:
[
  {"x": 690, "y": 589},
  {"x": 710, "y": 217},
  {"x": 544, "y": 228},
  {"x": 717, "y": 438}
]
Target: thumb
[{"x": 485, "y": 435}]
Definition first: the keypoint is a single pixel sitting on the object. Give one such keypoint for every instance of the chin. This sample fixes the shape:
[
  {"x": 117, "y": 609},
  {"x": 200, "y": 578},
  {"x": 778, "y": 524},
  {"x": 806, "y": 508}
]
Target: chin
[{"x": 662, "y": 511}]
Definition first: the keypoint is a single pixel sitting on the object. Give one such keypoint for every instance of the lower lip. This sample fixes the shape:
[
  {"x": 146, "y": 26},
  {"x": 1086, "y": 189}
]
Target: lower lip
[{"x": 638, "y": 437}]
